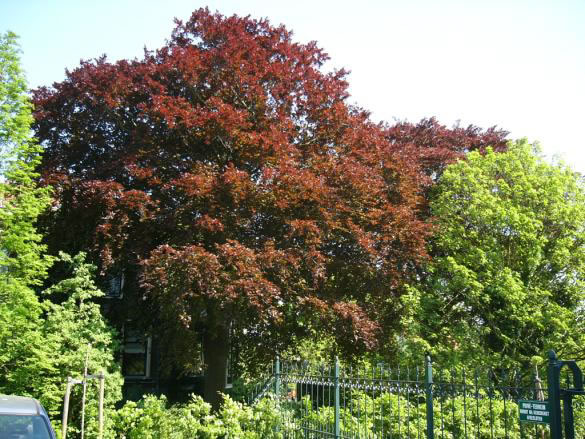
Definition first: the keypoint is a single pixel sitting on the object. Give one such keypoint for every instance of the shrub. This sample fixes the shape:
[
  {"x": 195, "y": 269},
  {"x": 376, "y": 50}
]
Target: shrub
[{"x": 154, "y": 418}]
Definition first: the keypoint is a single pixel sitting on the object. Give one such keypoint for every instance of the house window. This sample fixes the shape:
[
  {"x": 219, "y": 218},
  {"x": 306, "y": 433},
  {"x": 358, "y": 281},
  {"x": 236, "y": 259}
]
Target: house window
[
  {"x": 137, "y": 353},
  {"x": 229, "y": 379},
  {"x": 115, "y": 286}
]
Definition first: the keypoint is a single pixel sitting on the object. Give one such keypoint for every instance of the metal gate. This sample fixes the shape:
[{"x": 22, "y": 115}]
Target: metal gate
[{"x": 429, "y": 402}]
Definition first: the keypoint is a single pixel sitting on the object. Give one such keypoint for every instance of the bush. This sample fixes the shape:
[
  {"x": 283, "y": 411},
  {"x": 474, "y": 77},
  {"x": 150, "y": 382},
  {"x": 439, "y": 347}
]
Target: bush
[{"x": 153, "y": 418}]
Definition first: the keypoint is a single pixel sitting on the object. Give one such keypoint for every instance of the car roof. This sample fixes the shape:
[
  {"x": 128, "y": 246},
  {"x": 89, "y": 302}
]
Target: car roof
[{"x": 19, "y": 405}]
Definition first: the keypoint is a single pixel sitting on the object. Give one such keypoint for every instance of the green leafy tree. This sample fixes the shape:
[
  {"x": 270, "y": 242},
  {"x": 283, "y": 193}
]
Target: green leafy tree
[
  {"x": 22, "y": 201},
  {"x": 73, "y": 329},
  {"x": 506, "y": 281},
  {"x": 22, "y": 262}
]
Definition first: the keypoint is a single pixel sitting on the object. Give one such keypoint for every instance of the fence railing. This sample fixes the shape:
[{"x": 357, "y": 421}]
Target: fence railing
[{"x": 426, "y": 402}]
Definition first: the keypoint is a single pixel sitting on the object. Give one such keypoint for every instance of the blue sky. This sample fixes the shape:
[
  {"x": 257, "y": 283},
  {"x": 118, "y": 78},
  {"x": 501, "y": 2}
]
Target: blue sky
[{"x": 516, "y": 64}]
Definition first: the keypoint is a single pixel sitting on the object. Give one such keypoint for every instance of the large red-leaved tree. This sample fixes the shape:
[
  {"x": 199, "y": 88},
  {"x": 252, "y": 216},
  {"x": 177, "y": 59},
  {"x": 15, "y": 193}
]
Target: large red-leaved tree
[{"x": 245, "y": 200}]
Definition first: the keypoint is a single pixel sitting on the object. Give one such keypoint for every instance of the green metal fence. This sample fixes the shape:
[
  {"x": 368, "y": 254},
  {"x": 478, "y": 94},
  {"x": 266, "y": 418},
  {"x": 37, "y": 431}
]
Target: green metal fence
[{"x": 425, "y": 402}]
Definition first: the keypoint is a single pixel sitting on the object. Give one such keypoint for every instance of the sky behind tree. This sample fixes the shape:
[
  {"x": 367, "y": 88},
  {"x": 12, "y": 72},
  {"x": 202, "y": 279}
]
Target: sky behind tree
[{"x": 516, "y": 64}]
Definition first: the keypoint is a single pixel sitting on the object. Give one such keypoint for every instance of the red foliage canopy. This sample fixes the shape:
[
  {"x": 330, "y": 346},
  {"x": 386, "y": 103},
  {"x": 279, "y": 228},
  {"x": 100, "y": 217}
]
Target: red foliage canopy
[{"x": 231, "y": 170}]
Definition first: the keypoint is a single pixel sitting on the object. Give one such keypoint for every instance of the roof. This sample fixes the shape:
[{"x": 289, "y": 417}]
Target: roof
[{"x": 19, "y": 405}]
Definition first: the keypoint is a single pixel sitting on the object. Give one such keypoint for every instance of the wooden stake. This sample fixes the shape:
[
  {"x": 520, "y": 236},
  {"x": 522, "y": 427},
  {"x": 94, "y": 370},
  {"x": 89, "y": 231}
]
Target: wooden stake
[
  {"x": 84, "y": 391},
  {"x": 66, "y": 408},
  {"x": 101, "y": 405}
]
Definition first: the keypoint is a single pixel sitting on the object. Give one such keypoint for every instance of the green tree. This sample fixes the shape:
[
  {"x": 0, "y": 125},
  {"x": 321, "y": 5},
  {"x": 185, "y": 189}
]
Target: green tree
[
  {"x": 22, "y": 262},
  {"x": 22, "y": 259},
  {"x": 73, "y": 329},
  {"x": 507, "y": 277}
]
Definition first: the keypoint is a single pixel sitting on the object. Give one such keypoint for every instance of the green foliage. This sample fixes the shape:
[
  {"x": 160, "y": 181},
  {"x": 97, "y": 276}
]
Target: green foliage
[
  {"x": 73, "y": 330},
  {"x": 21, "y": 200},
  {"x": 507, "y": 278},
  {"x": 15, "y": 106},
  {"x": 153, "y": 418},
  {"x": 23, "y": 358},
  {"x": 54, "y": 345}
]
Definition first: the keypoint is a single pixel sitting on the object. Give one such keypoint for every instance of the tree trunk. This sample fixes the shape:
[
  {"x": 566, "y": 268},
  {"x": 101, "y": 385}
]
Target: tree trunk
[{"x": 216, "y": 350}]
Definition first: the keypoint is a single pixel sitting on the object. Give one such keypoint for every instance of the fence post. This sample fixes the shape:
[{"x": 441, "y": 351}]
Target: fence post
[
  {"x": 554, "y": 397},
  {"x": 336, "y": 397},
  {"x": 277, "y": 377},
  {"x": 569, "y": 417},
  {"x": 429, "y": 397}
]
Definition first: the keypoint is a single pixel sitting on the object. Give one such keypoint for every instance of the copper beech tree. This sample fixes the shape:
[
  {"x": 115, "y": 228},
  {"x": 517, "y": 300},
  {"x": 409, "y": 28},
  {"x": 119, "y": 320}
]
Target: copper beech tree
[{"x": 253, "y": 204}]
